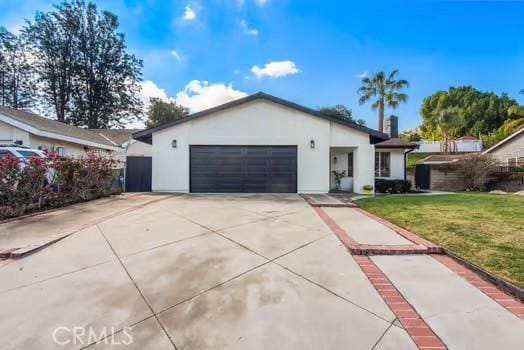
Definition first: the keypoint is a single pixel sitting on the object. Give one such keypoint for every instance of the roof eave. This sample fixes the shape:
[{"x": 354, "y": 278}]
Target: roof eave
[{"x": 146, "y": 135}]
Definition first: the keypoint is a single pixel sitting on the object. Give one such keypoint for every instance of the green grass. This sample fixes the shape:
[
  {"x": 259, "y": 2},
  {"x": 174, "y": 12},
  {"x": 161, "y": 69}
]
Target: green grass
[
  {"x": 487, "y": 230},
  {"x": 413, "y": 158}
]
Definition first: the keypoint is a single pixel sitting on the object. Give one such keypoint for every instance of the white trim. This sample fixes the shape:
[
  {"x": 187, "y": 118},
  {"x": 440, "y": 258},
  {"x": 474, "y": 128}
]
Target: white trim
[
  {"x": 52, "y": 135},
  {"x": 504, "y": 141}
]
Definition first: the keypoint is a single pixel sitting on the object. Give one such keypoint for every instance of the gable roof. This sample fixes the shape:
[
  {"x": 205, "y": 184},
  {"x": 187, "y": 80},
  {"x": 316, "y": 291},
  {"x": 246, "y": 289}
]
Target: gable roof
[
  {"x": 396, "y": 142},
  {"x": 117, "y": 137},
  {"x": 53, "y": 129},
  {"x": 515, "y": 134},
  {"x": 146, "y": 135}
]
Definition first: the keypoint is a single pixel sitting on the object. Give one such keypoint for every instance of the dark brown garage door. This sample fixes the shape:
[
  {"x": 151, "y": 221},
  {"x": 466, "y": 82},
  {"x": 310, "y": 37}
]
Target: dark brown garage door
[{"x": 243, "y": 169}]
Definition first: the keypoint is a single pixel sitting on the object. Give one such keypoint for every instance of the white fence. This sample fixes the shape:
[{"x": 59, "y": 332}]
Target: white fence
[{"x": 463, "y": 146}]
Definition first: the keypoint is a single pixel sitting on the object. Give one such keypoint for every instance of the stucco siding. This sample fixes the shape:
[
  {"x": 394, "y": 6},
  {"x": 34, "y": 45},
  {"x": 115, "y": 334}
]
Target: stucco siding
[
  {"x": 396, "y": 163},
  {"x": 258, "y": 123},
  {"x": 10, "y": 134}
]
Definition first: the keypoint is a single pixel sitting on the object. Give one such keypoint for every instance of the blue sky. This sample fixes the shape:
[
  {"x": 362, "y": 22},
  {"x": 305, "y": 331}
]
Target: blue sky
[{"x": 312, "y": 52}]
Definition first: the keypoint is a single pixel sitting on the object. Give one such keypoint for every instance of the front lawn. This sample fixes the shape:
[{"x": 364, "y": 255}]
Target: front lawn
[{"x": 485, "y": 229}]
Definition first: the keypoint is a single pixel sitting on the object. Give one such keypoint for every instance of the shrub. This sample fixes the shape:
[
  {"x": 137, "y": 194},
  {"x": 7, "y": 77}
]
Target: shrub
[
  {"x": 474, "y": 171},
  {"x": 34, "y": 183},
  {"x": 392, "y": 186}
]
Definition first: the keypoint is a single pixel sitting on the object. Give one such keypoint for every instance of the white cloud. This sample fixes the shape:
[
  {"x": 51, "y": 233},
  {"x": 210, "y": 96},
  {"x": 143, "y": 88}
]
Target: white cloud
[
  {"x": 275, "y": 69},
  {"x": 189, "y": 14},
  {"x": 363, "y": 75},
  {"x": 199, "y": 95},
  {"x": 175, "y": 54},
  {"x": 247, "y": 30},
  {"x": 150, "y": 89},
  {"x": 261, "y": 2}
]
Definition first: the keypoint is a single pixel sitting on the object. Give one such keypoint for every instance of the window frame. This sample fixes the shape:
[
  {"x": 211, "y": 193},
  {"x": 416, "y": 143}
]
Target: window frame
[
  {"x": 350, "y": 167},
  {"x": 380, "y": 159}
]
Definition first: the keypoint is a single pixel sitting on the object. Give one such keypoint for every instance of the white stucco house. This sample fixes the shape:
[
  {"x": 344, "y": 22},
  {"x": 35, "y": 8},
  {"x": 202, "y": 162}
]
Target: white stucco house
[
  {"x": 25, "y": 128},
  {"x": 261, "y": 143}
]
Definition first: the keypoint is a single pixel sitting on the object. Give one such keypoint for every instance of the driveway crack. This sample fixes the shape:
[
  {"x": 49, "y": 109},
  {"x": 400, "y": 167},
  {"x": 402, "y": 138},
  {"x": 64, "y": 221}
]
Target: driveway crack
[{"x": 138, "y": 289}]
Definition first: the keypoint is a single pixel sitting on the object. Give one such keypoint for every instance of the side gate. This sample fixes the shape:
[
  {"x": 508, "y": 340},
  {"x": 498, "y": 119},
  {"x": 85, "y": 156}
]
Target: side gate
[{"x": 138, "y": 174}]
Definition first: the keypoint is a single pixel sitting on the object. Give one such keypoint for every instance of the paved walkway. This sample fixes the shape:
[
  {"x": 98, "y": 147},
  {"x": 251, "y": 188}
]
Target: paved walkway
[{"x": 237, "y": 272}]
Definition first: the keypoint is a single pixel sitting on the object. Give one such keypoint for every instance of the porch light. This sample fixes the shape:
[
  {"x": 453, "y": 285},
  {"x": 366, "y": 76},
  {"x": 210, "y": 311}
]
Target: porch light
[
  {"x": 335, "y": 160},
  {"x": 173, "y": 143},
  {"x": 312, "y": 143}
]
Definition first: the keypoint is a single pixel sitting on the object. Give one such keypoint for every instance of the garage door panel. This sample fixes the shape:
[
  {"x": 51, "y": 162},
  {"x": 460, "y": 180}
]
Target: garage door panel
[{"x": 255, "y": 169}]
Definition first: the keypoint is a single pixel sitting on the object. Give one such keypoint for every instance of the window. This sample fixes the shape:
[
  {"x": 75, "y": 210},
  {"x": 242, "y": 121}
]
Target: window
[
  {"x": 28, "y": 154},
  {"x": 350, "y": 164},
  {"x": 382, "y": 164},
  {"x": 4, "y": 153}
]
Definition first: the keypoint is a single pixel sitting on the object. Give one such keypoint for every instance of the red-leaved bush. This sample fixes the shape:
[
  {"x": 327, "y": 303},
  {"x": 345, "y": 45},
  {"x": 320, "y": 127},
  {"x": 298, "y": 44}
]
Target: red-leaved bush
[{"x": 36, "y": 183}]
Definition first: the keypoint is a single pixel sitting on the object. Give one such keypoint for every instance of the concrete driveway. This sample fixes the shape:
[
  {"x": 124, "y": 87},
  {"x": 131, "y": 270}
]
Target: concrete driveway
[{"x": 196, "y": 272}]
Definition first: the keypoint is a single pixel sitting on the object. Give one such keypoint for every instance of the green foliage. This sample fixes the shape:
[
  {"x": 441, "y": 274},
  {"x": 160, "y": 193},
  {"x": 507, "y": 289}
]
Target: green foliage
[
  {"x": 37, "y": 183},
  {"x": 86, "y": 75},
  {"x": 388, "y": 92},
  {"x": 338, "y": 177},
  {"x": 411, "y": 135},
  {"x": 483, "y": 112},
  {"x": 447, "y": 121},
  {"x": 508, "y": 128},
  {"x": 341, "y": 112},
  {"x": 367, "y": 187},
  {"x": 413, "y": 159},
  {"x": 16, "y": 83},
  {"x": 392, "y": 186},
  {"x": 160, "y": 112}
]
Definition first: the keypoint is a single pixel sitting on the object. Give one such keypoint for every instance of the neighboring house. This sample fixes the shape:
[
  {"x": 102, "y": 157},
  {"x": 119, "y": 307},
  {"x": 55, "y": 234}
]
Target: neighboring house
[
  {"x": 262, "y": 143},
  {"x": 28, "y": 129},
  {"x": 465, "y": 144},
  {"x": 509, "y": 151},
  {"x": 123, "y": 138}
]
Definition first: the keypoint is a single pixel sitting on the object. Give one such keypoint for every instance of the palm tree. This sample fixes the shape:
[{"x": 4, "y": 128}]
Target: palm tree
[
  {"x": 447, "y": 121},
  {"x": 386, "y": 89}
]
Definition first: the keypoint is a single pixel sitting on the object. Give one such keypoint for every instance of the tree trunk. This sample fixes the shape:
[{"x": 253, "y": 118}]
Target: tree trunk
[{"x": 381, "y": 115}]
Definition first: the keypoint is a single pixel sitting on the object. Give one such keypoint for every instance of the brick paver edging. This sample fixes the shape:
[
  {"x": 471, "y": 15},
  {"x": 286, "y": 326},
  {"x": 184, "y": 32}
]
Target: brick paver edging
[
  {"x": 365, "y": 249},
  {"x": 505, "y": 300},
  {"x": 415, "y": 326},
  {"x": 432, "y": 247}
]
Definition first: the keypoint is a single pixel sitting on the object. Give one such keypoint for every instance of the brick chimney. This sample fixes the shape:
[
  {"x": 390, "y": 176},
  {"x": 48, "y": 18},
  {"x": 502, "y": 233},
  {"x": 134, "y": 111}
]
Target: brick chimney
[{"x": 391, "y": 126}]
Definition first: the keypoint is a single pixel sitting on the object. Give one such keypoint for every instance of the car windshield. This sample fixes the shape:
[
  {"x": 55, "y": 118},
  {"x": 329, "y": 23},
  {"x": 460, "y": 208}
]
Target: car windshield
[
  {"x": 4, "y": 153},
  {"x": 28, "y": 154}
]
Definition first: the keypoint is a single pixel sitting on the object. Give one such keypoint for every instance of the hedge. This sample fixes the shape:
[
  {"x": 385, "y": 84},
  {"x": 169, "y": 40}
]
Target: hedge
[
  {"x": 392, "y": 186},
  {"x": 40, "y": 183}
]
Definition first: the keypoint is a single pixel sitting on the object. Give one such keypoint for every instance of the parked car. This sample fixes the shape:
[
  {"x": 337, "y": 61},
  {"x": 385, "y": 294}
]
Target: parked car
[
  {"x": 24, "y": 153},
  {"x": 21, "y": 152}
]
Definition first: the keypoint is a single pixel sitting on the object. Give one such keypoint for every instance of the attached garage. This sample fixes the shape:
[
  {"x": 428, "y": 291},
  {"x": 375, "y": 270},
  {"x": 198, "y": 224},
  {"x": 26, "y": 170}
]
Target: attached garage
[
  {"x": 243, "y": 169},
  {"x": 258, "y": 144}
]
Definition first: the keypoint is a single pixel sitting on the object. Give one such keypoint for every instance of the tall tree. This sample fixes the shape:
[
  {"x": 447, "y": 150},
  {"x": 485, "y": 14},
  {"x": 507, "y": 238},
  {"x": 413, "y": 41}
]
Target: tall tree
[
  {"x": 448, "y": 121},
  {"x": 160, "y": 112},
  {"x": 388, "y": 91},
  {"x": 483, "y": 112},
  {"x": 341, "y": 112},
  {"x": 16, "y": 82},
  {"x": 87, "y": 75},
  {"x": 53, "y": 40}
]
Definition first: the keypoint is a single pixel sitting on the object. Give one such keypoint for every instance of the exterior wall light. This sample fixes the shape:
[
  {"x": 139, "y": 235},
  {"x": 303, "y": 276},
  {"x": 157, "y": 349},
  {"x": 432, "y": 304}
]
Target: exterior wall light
[
  {"x": 335, "y": 160},
  {"x": 312, "y": 143},
  {"x": 173, "y": 143}
]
